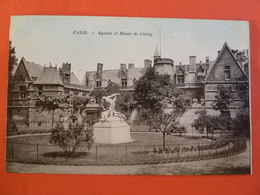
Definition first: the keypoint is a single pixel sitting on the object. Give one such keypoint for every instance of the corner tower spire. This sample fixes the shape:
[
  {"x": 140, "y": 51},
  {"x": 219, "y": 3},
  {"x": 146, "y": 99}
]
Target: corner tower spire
[{"x": 156, "y": 53}]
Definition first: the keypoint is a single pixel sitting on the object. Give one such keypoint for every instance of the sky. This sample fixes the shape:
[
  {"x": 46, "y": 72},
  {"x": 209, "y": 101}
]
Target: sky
[{"x": 85, "y": 41}]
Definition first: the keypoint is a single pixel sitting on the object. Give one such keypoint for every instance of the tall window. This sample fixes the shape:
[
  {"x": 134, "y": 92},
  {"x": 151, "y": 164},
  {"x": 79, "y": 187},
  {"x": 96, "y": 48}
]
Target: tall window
[
  {"x": 87, "y": 81},
  {"x": 22, "y": 90},
  {"x": 98, "y": 84},
  {"x": 180, "y": 79},
  {"x": 124, "y": 82},
  {"x": 135, "y": 81},
  {"x": 227, "y": 72},
  {"x": 66, "y": 78},
  {"x": 40, "y": 90},
  {"x": 246, "y": 68}
]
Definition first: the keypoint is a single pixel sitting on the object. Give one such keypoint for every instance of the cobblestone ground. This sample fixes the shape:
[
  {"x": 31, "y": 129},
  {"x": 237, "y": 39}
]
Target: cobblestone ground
[{"x": 239, "y": 164}]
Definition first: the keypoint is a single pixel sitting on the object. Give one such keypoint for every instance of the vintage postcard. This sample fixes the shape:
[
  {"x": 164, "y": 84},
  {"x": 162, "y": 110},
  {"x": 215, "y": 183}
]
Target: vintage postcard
[{"x": 115, "y": 95}]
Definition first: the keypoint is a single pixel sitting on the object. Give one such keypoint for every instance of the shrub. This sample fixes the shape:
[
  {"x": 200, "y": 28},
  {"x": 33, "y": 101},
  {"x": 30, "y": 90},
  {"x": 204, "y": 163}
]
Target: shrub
[{"x": 70, "y": 139}]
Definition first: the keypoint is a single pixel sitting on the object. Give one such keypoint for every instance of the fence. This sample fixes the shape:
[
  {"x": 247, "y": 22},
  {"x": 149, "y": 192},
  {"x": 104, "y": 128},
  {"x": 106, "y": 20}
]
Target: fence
[{"x": 123, "y": 154}]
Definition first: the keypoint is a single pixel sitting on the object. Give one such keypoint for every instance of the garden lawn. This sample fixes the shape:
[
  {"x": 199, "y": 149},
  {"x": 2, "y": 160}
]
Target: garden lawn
[{"x": 38, "y": 149}]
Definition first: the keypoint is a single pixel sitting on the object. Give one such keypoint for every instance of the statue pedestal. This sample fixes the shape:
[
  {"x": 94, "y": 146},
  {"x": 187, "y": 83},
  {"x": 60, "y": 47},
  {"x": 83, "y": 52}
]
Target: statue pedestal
[{"x": 113, "y": 130}]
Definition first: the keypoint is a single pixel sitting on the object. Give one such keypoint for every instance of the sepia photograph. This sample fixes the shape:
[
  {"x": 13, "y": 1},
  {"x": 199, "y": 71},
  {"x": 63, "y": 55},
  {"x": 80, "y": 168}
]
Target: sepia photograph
[{"x": 128, "y": 96}]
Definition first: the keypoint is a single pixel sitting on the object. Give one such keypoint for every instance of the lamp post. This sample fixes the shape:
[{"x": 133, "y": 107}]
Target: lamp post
[{"x": 28, "y": 104}]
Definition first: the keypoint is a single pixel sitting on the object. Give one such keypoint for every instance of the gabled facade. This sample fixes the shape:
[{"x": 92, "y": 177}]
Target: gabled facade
[
  {"x": 32, "y": 79},
  {"x": 225, "y": 72}
]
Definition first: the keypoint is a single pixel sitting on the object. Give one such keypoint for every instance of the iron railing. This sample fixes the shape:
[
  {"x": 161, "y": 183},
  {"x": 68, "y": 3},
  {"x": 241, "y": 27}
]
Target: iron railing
[{"x": 123, "y": 154}]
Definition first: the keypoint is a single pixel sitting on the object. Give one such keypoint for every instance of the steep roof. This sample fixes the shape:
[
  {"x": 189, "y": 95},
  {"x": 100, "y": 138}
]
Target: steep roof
[
  {"x": 49, "y": 75},
  {"x": 33, "y": 70},
  {"x": 136, "y": 73},
  {"x": 184, "y": 68},
  {"x": 114, "y": 75},
  {"x": 218, "y": 57},
  {"x": 74, "y": 80},
  {"x": 75, "y": 86}
]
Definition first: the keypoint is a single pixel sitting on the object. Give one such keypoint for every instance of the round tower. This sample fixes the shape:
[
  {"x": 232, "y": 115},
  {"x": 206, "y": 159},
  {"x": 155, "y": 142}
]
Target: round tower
[{"x": 163, "y": 65}]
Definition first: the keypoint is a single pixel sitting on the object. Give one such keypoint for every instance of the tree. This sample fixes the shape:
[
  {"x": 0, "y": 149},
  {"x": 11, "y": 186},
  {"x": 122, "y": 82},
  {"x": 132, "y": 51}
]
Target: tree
[
  {"x": 72, "y": 104},
  {"x": 49, "y": 103},
  {"x": 211, "y": 123},
  {"x": 204, "y": 122},
  {"x": 243, "y": 90},
  {"x": 12, "y": 63},
  {"x": 166, "y": 123},
  {"x": 223, "y": 100},
  {"x": 242, "y": 121},
  {"x": 123, "y": 102},
  {"x": 70, "y": 139},
  {"x": 155, "y": 91}
]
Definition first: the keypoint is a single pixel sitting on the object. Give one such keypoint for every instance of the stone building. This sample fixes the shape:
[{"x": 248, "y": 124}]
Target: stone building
[
  {"x": 226, "y": 71},
  {"x": 188, "y": 77},
  {"x": 31, "y": 80},
  {"x": 197, "y": 80}
]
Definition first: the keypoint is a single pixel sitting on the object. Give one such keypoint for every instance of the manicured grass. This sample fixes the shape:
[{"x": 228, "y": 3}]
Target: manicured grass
[
  {"x": 140, "y": 139},
  {"x": 38, "y": 149}
]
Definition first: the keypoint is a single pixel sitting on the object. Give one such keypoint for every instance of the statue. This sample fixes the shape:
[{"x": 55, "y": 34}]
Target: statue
[
  {"x": 111, "y": 99},
  {"x": 111, "y": 129}
]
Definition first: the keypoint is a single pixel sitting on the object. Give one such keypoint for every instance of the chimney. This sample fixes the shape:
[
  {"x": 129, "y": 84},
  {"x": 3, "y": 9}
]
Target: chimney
[
  {"x": 66, "y": 66},
  {"x": 99, "y": 68},
  {"x": 192, "y": 60},
  {"x": 207, "y": 62},
  {"x": 130, "y": 65},
  {"x": 218, "y": 52},
  {"x": 122, "y": 66},
  {"x": 147, "y": 63}
]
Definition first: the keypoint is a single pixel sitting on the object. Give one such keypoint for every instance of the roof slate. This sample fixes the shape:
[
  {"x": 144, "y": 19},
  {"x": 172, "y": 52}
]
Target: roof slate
[
  {"x": 34, "y": 70},
  {"x": 114, "y": 75},
  {"x": 49, "y": 75},
  {"x": 74, "y": 80}
]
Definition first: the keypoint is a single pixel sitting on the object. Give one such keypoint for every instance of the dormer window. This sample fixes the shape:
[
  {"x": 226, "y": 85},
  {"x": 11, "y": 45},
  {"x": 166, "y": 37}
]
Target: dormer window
[
  {"x": 124, "y": 82},
  {"x": 34, "y": 78},
  {"x": 98, "y": 84},
  {"x": 180, "y": 79},
  {"x": 227, "y": 72}
]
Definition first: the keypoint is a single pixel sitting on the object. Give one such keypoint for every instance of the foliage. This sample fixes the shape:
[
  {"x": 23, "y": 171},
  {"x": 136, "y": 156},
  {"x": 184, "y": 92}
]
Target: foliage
[
  {"x": 242, "y": 121},
  {"x": 223, "y": 100},
  {"x": 124, "y": 102},
  {"x": 70, "y": 139},
  {"x": 243, "y": 90},
  {"x": 211, "y": 123},
  {"x": 190, "y": 148},
  {"x": 72, "y": 104},
  {"x": 166, "y": 123},
  {"x": 155, "y": 92},
  {"x": 111, "y": 88},
  {"x": 11, "y": 65},
  {"x": 203, "y": 122}
]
